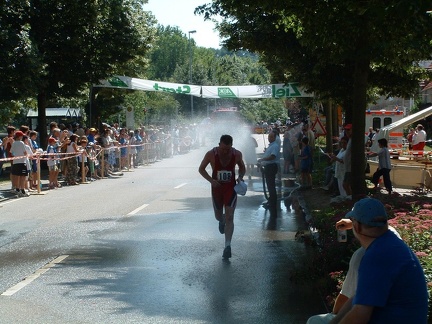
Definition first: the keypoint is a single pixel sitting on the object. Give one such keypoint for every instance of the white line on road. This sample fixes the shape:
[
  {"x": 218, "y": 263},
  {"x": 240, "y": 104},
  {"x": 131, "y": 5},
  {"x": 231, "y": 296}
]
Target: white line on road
[
  {"x": 181, "y": 185},
  {"x": 34, "y": 276},
  {"x": 133, "y": 212}
]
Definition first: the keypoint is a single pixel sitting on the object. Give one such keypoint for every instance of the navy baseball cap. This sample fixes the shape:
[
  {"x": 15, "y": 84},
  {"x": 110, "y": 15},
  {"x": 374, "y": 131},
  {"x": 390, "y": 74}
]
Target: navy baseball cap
[{"x": 369, "y": 211}]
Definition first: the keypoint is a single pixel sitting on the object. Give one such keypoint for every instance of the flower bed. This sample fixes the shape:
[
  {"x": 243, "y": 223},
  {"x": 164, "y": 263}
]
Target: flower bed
[{"x": 411, "y": 215}]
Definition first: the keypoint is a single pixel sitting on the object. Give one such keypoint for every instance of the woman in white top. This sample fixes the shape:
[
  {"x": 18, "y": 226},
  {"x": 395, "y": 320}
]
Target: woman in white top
[{"x": 339, "y": 166}]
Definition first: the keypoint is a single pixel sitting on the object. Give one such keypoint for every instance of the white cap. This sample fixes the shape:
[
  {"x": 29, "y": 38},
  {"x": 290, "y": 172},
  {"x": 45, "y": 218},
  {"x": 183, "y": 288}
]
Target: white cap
[{"x": 241, "y": 188}]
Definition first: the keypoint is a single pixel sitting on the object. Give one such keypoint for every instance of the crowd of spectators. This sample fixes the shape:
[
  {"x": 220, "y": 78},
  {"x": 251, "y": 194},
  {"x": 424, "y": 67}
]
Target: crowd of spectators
[{"x": 75, "y": 154}]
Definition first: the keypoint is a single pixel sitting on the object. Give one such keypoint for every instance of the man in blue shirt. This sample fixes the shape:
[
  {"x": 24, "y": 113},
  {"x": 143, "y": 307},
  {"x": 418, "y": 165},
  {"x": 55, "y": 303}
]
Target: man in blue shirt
[
  {"x": 391, "y": 286},
  {"x": 270, "y": 161}
]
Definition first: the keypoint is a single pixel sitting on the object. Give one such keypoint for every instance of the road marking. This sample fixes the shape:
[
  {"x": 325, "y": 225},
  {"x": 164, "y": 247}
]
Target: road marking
[
  {"x": 133, "y": 212},
  {"x": 33, "y": 276},
  {"x": 181, "y": 185}
]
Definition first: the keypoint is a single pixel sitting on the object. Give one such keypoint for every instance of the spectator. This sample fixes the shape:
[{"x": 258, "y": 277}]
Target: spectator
[
  {"x": 419, "y": 138},
  {"x": 124, "y": 141},
  {"x": 91, "y": 135},
  {"x": 391, "y": 286},
  {"x": 19, "y": 164},
  {"x": 410, "y": 137},
  {"x": 384, "y": 165},
  {"x": 79, "y": 130},
  {"x": 108, "y": 143},
  {"x": 139, "y": 147},
  {"x": 82, "y": 147},
  {"x": 270, "y": 162},
  {"x": 29, "y": 159},
  {"x": 62, "y": 138},
  {"x": 310, "y": 135},
  {"x": 374, "y": 137},
  {"x": 7, "y": 144},
  {"x": 132, "y": 150},
  {"x": 72, "y": 165},
  {"x": 371, "y": 134},
  {"x": 35, "y": 147},
  {"x": 349, "y": 285},
  {"x": 52, "y": 162},
  {"x": 340, "y": 166},
  {"x": 249, "y": 154}
]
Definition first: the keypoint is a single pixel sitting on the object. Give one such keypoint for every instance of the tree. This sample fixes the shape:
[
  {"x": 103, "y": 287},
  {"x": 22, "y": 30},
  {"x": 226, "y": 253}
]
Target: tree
[
  {"x": 339, "y": 49},
  {"x": 170, "y": 50},
  {"x": 67, "y": 45},
  {"x": 19, "y": 64}
]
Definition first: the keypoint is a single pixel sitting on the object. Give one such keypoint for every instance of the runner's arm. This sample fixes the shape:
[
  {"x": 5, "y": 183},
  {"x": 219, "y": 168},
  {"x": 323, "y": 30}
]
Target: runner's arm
[{"x": 202, "y": 170}]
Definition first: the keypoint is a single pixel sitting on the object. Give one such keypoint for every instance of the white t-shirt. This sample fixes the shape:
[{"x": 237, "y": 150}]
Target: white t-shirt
[
  {"x": 419, "y": 137},
  {"x": 18, "y": 150},
  {"x": 339, "y": 166}
]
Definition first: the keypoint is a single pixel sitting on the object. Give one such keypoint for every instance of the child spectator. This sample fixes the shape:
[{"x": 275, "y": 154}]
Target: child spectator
[
  {"x": 384, "y": 165},
  {"x": 29, "y": 160},
  {"x": 35, "y": 147},
  {"x": 52, "y": 163},
  {"x": 83, "y": 156},
  {"x": 123, "y": 140}
]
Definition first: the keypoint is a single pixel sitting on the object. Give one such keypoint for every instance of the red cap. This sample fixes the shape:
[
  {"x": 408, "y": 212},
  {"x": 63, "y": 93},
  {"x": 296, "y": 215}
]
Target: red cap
[
  {"x": 18, "y": 134},
  {"x": 52, "y": 139},
  {"x": 348, "y": 126}
]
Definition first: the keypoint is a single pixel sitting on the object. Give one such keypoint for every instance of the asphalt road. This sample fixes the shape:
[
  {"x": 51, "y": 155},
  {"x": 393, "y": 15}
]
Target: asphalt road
[{"x": 145, "y": 248}]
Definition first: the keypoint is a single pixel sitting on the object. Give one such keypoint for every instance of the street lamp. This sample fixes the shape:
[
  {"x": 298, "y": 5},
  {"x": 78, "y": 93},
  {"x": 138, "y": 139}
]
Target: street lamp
[{"x": 190, "y": 68}]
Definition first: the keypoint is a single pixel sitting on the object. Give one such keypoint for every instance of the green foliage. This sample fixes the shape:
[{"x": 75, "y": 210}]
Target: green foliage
[
  {"x": 63, "y": 46},
  {"x": 170, "y": 50},
  {"x": 337, "y": 49},
  {"x": 263, "y": 109},
  {"x": 19, "y": 64}
]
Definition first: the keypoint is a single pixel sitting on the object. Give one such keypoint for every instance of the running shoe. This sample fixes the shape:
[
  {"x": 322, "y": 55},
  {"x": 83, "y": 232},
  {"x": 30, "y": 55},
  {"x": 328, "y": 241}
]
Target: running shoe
[
  {"x": 227, "y": 252},
  {"x": 222, "y": 227}
]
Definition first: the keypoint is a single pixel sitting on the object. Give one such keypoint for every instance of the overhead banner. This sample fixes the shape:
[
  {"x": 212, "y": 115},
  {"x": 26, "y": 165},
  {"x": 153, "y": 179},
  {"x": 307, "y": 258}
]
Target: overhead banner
[
  {"x": 289, "y": 90},
  {"x": 124, "y": 82}
]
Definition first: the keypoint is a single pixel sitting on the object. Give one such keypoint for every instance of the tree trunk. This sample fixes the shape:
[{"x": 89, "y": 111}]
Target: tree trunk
[
  {"x": 42, "y": 124},
  {"x": 358, "y": 164}
]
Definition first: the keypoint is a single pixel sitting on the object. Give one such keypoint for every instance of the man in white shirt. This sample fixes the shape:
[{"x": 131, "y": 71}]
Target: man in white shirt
[{"x": 419, "y": 138}]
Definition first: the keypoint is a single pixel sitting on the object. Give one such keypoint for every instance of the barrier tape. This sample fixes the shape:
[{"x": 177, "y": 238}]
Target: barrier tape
[{"x": 42, "y": 155}]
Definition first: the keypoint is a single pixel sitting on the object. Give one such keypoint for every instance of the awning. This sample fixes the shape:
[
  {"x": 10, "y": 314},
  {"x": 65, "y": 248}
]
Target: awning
[
  {"x": 57, "y": 112},
  {"x": 401, "y": 123}
]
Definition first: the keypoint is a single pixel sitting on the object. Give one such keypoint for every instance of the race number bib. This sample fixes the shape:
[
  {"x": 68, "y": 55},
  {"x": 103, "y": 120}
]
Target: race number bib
[{"x": 224, "y": 176}]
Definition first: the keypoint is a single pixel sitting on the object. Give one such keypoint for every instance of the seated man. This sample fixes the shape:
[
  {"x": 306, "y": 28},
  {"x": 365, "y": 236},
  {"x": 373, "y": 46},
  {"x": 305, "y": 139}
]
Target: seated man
[
  {"x": 349, "y": 285},
  {"x": 391, "y": 286}
]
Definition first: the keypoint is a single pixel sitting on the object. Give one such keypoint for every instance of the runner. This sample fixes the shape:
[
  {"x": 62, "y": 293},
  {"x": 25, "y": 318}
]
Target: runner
[{"x": 223, "y": 160}]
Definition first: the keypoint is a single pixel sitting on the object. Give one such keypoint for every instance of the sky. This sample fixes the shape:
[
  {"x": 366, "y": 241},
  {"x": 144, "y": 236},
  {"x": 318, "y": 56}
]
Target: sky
[{"x": 180, "y": 13}]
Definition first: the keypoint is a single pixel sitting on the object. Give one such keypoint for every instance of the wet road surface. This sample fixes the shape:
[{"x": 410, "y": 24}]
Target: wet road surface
[{"x": 150, "y": 252}]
